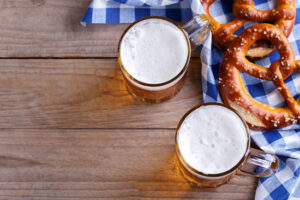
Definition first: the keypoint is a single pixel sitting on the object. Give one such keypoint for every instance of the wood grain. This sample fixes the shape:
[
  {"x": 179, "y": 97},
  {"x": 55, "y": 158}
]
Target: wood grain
[
  {"x": 73, "y": 164},
  {"x": 51, "y": 28},
  {"x": 44, "y": 28},
  {"x": 87, "y": 93}
]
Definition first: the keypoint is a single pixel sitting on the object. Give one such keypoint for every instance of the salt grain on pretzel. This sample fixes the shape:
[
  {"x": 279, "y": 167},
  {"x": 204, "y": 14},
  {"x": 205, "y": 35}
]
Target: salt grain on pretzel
[{"x": 256, "y": 114}]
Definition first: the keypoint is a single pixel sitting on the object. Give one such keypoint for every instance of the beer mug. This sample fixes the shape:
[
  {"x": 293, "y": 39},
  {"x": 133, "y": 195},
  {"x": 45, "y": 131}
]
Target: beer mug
[
  {"x": 213, "y": 144},
  {"x": 154, "y": 54}
]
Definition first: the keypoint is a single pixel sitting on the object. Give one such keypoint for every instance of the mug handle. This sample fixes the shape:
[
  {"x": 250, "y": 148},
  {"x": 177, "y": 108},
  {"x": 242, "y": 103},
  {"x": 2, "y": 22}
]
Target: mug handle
[
  {"x": 197, "y": 29},
  {"x": 259, "y": 164}
]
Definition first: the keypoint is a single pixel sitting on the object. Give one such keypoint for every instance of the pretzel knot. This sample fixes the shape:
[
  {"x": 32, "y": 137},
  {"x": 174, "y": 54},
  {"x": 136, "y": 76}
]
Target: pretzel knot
[
  {"x": 232, "y": 88},
  {"x": 223, "y": 34}
]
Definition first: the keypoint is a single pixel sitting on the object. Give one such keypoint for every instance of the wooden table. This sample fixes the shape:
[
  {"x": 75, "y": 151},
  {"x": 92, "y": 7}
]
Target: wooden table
[{"x": 69, "y": 129}]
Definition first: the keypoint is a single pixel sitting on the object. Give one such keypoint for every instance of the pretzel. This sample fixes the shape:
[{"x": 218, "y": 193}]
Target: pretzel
[
  {"x": 223, "y": 34},
  {"x": 232, "y": 89}
]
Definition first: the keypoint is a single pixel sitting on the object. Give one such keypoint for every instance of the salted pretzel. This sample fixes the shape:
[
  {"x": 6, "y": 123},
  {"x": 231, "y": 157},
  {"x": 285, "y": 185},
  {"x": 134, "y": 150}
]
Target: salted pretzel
[
  {"x": 223, "y": 34},
  {"x": 232, "y": 89}
]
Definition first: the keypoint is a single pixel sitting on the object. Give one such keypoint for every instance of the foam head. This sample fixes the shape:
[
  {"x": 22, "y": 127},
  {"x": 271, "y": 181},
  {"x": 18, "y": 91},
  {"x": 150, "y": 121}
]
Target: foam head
[
  {"x": 154, "y": 51},
  {"x": 212, "y": 139}
]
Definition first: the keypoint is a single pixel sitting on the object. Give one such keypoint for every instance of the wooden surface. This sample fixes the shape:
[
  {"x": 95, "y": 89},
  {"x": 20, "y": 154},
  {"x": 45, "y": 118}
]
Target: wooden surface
[
  {"x": 108, "y": 163},
  {"x": 69, "y": 129},
  {"x": 83, "y": 93}
]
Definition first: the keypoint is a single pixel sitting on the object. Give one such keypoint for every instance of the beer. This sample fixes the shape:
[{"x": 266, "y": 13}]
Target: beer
[
  {"x": 212, "y": 143},
  {"x": 154, "y": 54}
]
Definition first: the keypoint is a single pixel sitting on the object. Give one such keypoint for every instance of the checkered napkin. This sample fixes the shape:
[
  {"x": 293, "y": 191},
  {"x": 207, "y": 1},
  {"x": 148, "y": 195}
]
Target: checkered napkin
[{"x": 285, "y": 143}]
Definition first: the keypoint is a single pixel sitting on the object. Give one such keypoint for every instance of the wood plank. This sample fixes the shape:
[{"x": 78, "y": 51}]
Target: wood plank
[
  {"x": 83, "y": 93},
  {"x": 119, "y": 164},
  {"x": 41, "y": 28}
]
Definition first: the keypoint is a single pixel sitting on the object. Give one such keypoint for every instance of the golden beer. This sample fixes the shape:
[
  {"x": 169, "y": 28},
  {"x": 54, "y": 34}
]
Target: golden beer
[
  {"x": 213, "y": 144},
  {"x": 154, "y": 54}
]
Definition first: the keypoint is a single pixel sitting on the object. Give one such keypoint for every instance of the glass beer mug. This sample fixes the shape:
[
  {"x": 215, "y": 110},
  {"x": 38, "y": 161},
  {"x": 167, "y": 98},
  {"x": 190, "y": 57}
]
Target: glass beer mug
[
  {"x": 213, "y": 144},
  {"x": 154, "y": 54}
]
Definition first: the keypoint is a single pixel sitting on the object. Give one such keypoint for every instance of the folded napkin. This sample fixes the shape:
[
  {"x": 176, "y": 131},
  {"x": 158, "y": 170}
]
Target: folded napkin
[{"x": 285, "y": 143}]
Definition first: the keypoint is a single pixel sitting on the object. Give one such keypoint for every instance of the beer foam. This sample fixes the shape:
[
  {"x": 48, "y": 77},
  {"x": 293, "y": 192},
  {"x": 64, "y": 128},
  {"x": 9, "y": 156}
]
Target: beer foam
[
  {"x": 212, "y": 139},
  {"x": 154, "y": 51}
]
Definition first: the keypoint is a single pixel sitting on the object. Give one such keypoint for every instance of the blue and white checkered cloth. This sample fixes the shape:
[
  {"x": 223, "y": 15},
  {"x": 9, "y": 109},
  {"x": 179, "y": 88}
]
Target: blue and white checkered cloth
[{"x": 285, "y": 143}]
